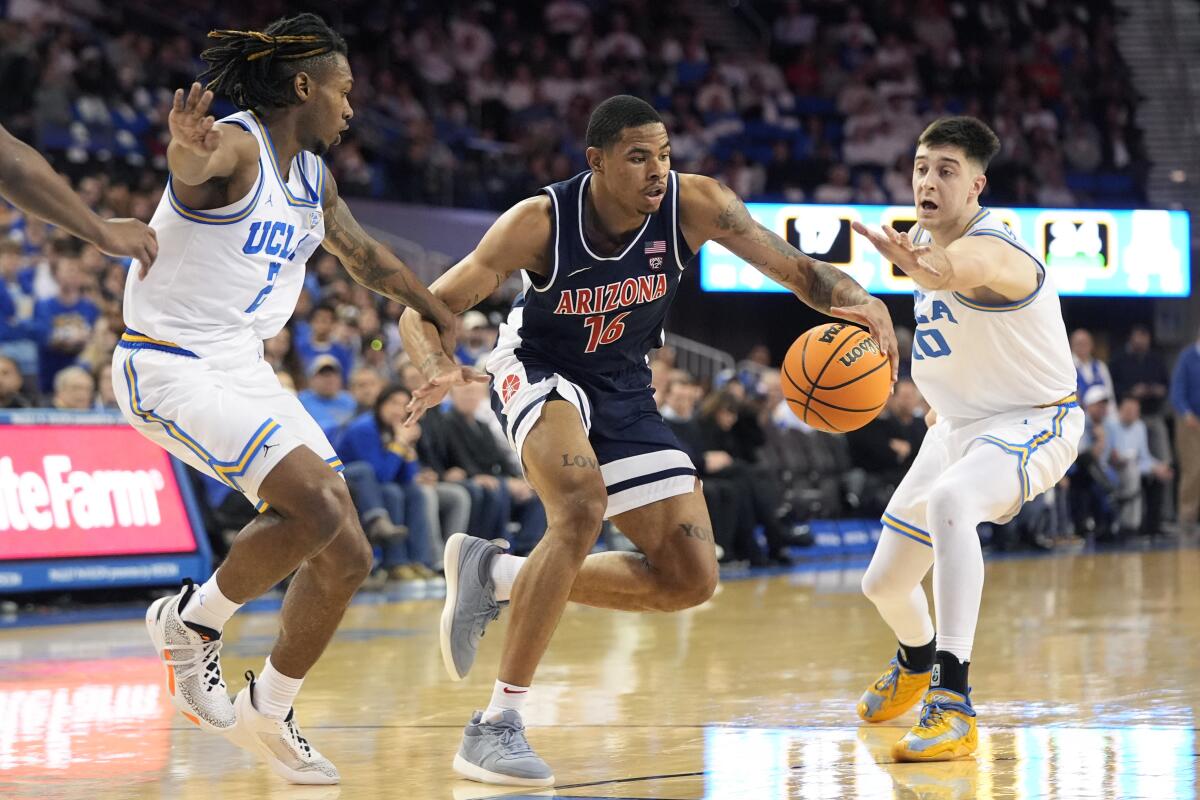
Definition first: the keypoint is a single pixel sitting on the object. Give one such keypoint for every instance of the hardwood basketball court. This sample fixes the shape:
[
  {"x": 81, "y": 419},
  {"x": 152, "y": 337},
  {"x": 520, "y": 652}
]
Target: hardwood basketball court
[{"x": 1084, "y": 679}]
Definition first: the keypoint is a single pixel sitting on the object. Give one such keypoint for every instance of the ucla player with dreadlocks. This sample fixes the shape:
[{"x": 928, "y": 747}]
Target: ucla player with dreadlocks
[{"x": 247, "y": 202}]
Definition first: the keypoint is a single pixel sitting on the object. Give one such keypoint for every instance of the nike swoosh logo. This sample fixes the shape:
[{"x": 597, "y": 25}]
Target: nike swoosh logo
[
  {"x": 510, "y": 691},
  {"x": 576, "y": 272}
]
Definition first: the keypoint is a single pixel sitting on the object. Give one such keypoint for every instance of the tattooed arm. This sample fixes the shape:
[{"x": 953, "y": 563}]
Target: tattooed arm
[
  {"x": 710, "y": 211},
  {"x": 377, "y": 268},
  {"x": 519, "y": 239}
]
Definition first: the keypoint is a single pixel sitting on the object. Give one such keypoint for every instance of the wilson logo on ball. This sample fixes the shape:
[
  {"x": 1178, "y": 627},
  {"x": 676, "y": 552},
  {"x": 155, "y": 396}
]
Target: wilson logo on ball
[{"x": 853, "y": 355}]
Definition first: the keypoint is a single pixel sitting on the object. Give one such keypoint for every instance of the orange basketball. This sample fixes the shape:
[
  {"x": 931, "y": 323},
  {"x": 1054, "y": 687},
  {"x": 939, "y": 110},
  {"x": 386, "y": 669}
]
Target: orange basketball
[{"x": 835, "y": 377}]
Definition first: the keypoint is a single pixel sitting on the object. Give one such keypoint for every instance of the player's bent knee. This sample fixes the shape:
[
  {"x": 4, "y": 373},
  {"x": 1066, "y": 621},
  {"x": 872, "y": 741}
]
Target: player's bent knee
[
  {"x": 576, "y": 518},
  {"x": 946, "y": 507},
  {"x": 325, "y": 512}
]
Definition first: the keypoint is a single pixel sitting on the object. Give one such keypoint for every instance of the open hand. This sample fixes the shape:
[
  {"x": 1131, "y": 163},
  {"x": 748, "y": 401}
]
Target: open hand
[
  {"x": 435, "y": 388},
  {"x": 190, "y": 123},
  {"x": 924, "y": 263}
]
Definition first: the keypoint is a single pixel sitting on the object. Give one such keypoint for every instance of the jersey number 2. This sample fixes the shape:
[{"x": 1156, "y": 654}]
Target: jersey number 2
[
  {"x": 602, "y": 333},
  {"x": 272, "y": 274}
]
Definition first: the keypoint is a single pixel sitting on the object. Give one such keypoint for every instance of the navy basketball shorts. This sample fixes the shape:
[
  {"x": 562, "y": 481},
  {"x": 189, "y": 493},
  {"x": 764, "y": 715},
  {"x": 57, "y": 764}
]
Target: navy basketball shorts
[{"x": 639, "y": 457}]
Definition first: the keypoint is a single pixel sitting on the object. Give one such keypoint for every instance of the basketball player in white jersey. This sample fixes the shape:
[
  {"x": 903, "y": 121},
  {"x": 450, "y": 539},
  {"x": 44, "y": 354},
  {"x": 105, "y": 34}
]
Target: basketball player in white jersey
[
  {"x": 247, "y": 202},
  {"x": 990, "y": 354}
]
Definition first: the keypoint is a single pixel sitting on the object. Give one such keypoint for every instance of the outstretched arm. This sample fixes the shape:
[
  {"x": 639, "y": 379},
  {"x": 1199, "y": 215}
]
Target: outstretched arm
[
  {"x": 31, "y": 184},
  {"x": 517, "y": 240},
  {"x": 377, "y": 268},
  {"x": 711, "y": 211},
  {"x": 969, "y": 263}
]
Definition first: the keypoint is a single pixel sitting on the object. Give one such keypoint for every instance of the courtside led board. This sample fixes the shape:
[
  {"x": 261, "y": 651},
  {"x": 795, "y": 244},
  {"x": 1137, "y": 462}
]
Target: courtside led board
[{"x": 1089, "y": 252}]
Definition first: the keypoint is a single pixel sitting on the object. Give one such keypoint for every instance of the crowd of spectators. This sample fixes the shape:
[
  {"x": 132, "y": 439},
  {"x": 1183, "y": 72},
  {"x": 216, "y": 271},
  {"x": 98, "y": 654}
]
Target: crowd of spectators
[{"x": 478, "y": 105}]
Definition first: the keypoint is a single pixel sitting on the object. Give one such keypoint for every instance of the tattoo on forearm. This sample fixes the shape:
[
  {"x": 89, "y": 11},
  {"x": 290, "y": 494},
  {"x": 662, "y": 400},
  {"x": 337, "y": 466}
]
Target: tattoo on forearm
[
  {"x": 364, "y": 260},
  {"x": 821, "y": 285},
  {"x": 583, "y": 462},
  {"x": 696, "y": 532}
]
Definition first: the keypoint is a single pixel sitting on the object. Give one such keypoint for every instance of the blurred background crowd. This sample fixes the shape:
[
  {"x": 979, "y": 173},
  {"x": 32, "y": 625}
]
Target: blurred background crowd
[{"x": 477, "y": 104}]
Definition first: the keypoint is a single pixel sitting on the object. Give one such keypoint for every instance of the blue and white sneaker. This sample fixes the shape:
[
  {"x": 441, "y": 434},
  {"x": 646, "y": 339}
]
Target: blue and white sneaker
[
  {"x": 498, "y": 752},
  {"x": 470, "y": 600}
]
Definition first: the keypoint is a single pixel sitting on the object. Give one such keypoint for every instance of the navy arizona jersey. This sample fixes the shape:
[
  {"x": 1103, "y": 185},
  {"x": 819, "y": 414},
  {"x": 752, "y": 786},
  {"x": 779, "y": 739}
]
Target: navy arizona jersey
[
  {"x": 595, "y": 315},
  {"x": 582, "y": 335}
]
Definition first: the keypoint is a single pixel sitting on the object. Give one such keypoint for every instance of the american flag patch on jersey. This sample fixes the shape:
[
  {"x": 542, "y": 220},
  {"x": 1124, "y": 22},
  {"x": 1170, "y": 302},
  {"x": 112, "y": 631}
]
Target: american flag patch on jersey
[{"x": 656, "y": 247}]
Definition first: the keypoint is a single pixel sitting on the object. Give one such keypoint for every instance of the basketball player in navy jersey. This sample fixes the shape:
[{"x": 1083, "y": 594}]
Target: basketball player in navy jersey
[{"x": 602, "y": 255}]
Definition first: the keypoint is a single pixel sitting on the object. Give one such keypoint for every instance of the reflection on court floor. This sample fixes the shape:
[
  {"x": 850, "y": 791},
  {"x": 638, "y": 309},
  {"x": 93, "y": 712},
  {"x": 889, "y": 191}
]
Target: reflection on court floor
[{"x": 1084, "y": 683}]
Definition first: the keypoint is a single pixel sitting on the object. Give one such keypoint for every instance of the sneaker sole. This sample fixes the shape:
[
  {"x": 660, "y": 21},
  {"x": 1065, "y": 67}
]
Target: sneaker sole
[
  {"x": 252, "y": 744},
  {"x": 450, "y": 563},
  {"x": 153, "y": 613},
  {"x": 474, "y": 772}
]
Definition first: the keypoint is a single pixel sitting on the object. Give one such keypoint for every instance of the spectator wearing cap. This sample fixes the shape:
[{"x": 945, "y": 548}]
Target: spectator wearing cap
[
  {"x": 475, "y": 338},
  {"x": 318, "y": 337},
  {"x": 325, "y": 399},
  {"x": 1185, "y": 397},
  {"x": 1094, "y": 482}
]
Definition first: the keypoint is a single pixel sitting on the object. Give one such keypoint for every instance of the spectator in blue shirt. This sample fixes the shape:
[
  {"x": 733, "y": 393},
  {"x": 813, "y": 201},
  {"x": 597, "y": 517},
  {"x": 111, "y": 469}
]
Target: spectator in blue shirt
[
  {"x": 325, "y": 399},
  {"x": 63, "y": 324},
  {"x": 317, "y": 338},
  {"x": 1185, "y": 397},
  {"x": 1089, "y": 370},
  {"x": 381, "y": 468}
]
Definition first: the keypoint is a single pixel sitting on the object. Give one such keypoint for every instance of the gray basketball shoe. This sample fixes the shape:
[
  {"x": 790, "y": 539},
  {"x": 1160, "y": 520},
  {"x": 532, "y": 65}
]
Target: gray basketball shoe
[
  {"x": 470, "y": 600},
  {"x": 498, "y": 752}
]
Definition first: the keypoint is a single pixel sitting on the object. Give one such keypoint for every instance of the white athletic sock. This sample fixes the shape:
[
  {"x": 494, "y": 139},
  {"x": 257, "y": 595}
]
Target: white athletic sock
[
  {"x": 209, "y": 606},
  {"x": 505, "y": 696},
  {"x": 981, "y": 486},
  {"x": 275, "y": 692},
  {"x": 504, "y": 573}
]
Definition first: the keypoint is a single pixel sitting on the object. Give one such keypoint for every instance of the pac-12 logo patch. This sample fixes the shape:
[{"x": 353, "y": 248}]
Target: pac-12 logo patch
[
  {"x": 510, "y": 386},
  {"x": 656, "y": 262}
]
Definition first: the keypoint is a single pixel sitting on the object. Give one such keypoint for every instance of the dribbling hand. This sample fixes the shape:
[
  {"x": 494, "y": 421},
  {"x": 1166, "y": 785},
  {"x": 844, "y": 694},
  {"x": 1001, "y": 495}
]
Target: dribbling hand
[
  {"x": 190, "y": 123},
  {"x": 435, "y": 388}
]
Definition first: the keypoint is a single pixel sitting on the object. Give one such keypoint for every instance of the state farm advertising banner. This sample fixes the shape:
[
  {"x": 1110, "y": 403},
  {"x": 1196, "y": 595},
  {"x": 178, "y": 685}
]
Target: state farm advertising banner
[{"x": 71, "y": 491}]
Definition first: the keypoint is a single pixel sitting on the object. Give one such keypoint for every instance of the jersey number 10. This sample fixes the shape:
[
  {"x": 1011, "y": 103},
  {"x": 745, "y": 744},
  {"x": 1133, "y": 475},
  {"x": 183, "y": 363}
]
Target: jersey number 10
[{"x": 929, "y": 343}]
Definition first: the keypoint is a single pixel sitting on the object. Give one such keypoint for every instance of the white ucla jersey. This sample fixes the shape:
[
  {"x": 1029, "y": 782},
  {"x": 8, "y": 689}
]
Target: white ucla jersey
[
  {"x": 973, "y": 360},
  {"x": 227, "y": 278}
]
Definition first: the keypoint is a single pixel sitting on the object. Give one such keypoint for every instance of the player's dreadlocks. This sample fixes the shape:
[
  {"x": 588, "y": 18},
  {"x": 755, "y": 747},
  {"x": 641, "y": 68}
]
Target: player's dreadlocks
[{"x": 254, "y": 69}]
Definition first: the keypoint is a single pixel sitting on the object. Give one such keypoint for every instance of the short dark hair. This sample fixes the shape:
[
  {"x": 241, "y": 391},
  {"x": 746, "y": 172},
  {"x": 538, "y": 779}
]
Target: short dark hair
[
  {"x": 616, "y": 114},
  {"x": 254, "y": 69},
  {"x": 323, "y": 306},
  {"x": 971, "y": 135}
]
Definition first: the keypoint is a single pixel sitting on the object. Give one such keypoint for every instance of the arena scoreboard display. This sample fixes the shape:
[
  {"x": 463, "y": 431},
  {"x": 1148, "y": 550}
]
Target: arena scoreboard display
[{"x": 1088, "y": 252}]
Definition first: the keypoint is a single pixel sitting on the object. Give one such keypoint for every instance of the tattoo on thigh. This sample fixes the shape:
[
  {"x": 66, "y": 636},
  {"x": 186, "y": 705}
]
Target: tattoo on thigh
[
  {"x": 696, "y": 532},
  {"x": 583, "y": 462}
]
